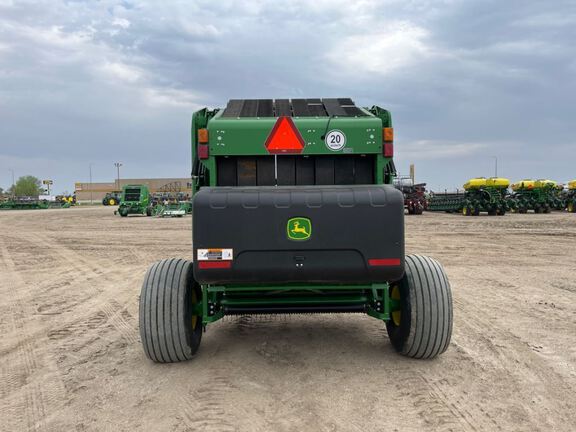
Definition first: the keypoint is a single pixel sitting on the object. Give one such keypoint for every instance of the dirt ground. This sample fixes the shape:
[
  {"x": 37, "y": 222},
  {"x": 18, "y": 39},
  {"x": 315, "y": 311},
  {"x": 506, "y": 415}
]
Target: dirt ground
[{"x": 71, "y": 359}]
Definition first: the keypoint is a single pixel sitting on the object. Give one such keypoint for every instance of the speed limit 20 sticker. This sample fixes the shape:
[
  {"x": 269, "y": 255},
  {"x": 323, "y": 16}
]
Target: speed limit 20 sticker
[{"x": 335, "y": 140}]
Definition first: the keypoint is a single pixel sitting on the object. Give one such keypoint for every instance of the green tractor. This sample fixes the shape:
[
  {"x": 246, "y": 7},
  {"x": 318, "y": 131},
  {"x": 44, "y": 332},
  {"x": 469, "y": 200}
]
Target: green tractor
[
  {"x": 112, "y": 198},
  {"x": 135, "y": 200},
  {"x": 294, "y": 211}
]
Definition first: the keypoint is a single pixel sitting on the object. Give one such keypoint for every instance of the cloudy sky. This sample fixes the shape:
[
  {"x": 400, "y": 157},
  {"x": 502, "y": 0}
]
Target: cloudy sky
[{"x": 94, "y": 82}]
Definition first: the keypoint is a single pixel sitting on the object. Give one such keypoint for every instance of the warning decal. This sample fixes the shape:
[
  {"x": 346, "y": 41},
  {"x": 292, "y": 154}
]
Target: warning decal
[{"x": 215, "y": 255}]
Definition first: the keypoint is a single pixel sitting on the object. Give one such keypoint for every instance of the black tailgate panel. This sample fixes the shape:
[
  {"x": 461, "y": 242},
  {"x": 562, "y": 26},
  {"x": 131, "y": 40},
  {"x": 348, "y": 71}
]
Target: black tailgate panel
[{"x": 357, "y": 234}]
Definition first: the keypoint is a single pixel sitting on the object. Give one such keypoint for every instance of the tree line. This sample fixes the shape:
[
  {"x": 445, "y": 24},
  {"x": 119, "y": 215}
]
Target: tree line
[{"x": 25, "y": 186}]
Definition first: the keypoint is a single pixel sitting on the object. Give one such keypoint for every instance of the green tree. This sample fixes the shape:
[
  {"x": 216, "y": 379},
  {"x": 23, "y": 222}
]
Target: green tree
[{"x": 28, "y": 186}]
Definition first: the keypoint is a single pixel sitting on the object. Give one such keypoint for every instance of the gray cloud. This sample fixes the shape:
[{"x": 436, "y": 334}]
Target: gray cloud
[{"x": 97, "y": 82}]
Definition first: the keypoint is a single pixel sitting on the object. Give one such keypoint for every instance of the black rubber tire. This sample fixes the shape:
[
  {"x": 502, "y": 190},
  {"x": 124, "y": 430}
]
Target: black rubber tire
[
  {"x": 166, "y": 312},
  {"x": 492, "y": 212},
  {"x": 148, "y": 211},
  {"x": 476, "y": 211},
  {"x": 426, "y": 310}
]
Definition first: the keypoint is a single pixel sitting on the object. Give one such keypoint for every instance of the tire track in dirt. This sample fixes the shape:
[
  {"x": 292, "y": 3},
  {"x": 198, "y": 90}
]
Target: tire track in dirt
[
  {"x": 514, "y": 362},
  {"x": 430, "y": 404},
  {"x": 204, "y": 410},
  {"x": 24, "y": 396},
  {"x": 85, "y": 267}
]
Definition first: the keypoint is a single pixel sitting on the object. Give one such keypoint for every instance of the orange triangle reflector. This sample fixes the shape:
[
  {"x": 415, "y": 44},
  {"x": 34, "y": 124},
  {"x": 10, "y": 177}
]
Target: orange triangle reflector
[{"x": 284, "y": 137}]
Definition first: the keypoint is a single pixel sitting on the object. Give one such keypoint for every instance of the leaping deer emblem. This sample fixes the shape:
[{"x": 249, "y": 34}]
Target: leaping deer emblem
[{"x": 299, "y": 230}]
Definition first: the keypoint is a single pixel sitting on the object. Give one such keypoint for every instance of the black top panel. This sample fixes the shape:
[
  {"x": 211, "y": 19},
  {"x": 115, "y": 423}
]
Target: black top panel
[{"x": 341, "y": 107}]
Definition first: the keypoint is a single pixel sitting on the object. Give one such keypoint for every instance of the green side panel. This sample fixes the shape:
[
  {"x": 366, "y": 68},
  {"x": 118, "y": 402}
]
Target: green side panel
[{"x": 247, "y": 136}]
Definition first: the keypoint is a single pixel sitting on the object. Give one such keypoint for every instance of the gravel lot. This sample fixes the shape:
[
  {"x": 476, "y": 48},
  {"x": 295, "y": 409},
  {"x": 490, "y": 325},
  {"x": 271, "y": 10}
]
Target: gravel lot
[{"x": 70, "y": 355}]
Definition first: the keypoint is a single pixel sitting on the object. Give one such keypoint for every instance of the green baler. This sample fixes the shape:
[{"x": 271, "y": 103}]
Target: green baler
[
  {"x": 135, "y": 199},
  {"x": 294, "y": 211}
]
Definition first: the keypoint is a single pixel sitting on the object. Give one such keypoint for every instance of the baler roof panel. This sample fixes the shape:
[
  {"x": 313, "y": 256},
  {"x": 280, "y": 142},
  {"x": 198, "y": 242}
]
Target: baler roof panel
[{"x": 315, "y": 107}]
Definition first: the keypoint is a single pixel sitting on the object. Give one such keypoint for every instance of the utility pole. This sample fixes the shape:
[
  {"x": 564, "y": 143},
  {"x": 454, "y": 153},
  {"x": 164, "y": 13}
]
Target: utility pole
[
  {"x": 90, "y": 169},
  {"x": 118, "y": 165},
  {"x": 13, "y": 184}
]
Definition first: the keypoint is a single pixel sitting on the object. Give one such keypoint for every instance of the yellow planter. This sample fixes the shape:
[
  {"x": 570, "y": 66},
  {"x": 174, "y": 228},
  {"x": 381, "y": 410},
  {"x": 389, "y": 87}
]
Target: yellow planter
[
  {"x": 498, "y": 182},
  {"x": 475, "y": 183}
]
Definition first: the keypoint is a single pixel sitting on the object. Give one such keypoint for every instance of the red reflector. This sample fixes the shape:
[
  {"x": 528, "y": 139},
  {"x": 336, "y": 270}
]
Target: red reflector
[
  {"x": 284, "y": 137},
  {"x": 381, "y": 262},
  {"x": 214, "y": 264},
  {"x": 203, "y": 151},
  {"x": 388, "y": 149}
]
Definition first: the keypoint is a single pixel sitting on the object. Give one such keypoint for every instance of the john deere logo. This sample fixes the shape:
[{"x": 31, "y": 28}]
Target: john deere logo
[{"x": 299, "y": 228}]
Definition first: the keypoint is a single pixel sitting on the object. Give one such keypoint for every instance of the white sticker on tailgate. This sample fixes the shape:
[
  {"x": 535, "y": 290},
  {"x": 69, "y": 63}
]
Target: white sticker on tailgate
[{"x": 215, "y": 255}]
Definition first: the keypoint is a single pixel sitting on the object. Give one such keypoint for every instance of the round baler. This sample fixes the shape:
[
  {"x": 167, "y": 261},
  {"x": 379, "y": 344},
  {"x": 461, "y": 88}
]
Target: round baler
[{"x": 294, "y": 211}]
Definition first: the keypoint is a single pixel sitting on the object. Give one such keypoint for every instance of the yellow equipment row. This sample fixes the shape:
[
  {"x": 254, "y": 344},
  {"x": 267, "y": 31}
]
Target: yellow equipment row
[
  {"x": 480, "y": 182},
  {"x": 502, "y": 183},
  {"x": 533, "y": 184}
]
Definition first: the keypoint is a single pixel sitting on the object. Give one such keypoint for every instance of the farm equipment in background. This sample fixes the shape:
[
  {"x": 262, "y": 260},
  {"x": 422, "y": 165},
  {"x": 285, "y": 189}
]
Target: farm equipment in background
[
  {"x": 571, "y": 197},
  {"x": 415, "y": 201},
  {"x": 112, "y": 198},
  {"x": 295, "y": 212},
  {"x": 480, "y": 195},
  {"x": 135, "y": 200},
  {"x": 171, "y": 200},
  {"x": 537, "y": 195},
  {"x": 173, "y": 209},
  {"x": 64, "y": 201},
  {"x": 560, "y": 199},
  {"x": 24, "y": 203},
  {"x": 449, "y": 202}
]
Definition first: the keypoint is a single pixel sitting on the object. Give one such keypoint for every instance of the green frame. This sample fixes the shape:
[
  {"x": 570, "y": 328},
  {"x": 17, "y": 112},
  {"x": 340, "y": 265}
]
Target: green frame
[{"x": 374, "y": 298}]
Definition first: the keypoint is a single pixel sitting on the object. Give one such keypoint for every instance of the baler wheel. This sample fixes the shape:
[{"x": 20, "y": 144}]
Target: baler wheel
[
  {"x": 112, "y": 202},
  {"x": 170, "y": 329},
  {"x": 423, "y": 326},
  {"x": 492, "y": 212}
]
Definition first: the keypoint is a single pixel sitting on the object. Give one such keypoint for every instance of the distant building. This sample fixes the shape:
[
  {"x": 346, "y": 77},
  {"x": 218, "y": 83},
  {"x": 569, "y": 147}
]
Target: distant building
[{"x": 96, "y": 191}]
